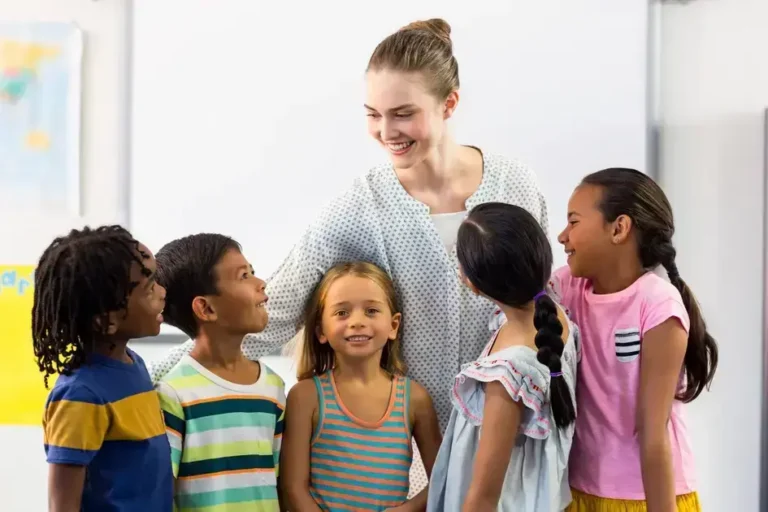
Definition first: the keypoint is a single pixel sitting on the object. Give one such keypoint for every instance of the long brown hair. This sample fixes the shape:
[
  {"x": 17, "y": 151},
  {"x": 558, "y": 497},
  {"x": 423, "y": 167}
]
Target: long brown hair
[
  {"x": 634, "y": 194},
  {"x": 317, "y": 358}
]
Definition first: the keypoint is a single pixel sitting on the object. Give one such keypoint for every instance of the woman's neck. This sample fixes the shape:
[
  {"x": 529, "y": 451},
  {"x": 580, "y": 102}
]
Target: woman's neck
[{"x": 443, "y": 166}]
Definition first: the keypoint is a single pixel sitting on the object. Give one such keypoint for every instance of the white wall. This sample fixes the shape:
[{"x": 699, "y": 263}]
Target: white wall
[
  {"x": 714, "y": 89},
  {"x": 714, "y": 84},
  {"x": 23, "y": 470}
]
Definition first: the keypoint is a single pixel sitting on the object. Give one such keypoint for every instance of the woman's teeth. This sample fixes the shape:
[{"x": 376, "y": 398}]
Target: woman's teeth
[{"x": 400, "y": 146}]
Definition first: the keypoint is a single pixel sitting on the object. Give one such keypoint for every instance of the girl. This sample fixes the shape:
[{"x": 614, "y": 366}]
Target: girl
[
  {"x": 350, "y": 418},
  {"x": 647, "y": 348},
  {"x": 104, "y": 435},
  {"x": 507, "y": 442}
]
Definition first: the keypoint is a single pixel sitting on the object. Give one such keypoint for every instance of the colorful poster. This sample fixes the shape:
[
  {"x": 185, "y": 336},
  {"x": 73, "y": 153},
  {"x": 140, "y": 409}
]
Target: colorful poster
[
  {"x": 22, "y": 393},
  {"x": 40, "y": 68}
]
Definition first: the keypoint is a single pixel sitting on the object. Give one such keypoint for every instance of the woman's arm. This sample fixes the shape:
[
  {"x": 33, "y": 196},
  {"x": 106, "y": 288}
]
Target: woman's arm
[
  {"x": 501, "y": 421},
  {"x": 661, "y": 362},
  {"x": 426, "y": 432},
  {"x": 346, "y": 230},
  {"x": 301, "y": 409}
]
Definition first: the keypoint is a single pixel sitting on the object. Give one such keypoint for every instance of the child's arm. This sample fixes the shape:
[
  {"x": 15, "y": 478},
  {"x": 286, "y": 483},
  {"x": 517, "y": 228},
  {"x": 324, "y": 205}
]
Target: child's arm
[
  {"x": 300, "y": 411},
  {"x": 74, "y": 425},
  {"x": 426, "y": 432},
  {"x": 501, "y": 421},
  {"x": 661, "y": 360},
  {"x": 65, "y": 487},
  {"x": 277, "y": 444},
  {"x": 175, "y": 426}
]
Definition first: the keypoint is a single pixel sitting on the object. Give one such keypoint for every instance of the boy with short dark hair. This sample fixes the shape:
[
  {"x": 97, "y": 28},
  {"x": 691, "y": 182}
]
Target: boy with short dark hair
[{"x": 224, "y": 413}]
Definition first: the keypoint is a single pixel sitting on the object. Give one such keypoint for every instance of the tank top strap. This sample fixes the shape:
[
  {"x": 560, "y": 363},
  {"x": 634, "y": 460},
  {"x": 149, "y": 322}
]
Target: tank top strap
[
  {"x": 325, "y": 398},
  {"x": 401, "y": 409}
]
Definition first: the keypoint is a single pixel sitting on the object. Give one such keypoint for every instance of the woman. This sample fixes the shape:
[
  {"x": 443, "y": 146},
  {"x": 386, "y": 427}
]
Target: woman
[{"x": 404, "y": 216}]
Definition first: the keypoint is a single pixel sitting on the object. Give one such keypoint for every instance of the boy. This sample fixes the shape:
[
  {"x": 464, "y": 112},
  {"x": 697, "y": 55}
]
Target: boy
[
  {"x": 104, "y": 436},
  {"x": 223, "y": 412}
]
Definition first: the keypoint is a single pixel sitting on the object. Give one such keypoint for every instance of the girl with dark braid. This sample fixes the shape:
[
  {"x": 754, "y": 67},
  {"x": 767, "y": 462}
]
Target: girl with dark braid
[
  {"x": 509, "y": 434},
  {"x": 103, "y": 429},
  {"x": 647, "y": 351}
]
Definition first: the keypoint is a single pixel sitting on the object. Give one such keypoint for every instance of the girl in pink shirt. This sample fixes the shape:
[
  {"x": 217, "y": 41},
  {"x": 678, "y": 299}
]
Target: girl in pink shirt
[{"x": 646, "y": 349}]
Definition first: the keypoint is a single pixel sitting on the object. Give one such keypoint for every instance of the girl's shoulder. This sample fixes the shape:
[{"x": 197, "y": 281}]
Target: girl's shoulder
[{"x": 304, "y": 393}]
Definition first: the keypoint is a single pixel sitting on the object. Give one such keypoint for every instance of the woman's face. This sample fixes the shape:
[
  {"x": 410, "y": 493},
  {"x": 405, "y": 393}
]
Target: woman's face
[{"x": 404, "y": 116}]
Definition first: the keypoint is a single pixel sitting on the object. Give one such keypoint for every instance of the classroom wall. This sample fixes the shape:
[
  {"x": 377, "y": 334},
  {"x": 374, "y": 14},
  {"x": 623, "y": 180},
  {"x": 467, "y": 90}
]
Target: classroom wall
[
  {"x": 714, "y": 86},
  {"x": 23, "y": 471},
  {"x": 714, "y": 78}
]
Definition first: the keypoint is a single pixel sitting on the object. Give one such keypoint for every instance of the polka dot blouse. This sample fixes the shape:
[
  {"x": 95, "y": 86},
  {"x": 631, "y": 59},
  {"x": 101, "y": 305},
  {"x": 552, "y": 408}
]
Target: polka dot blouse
[{"x": 376, "y": 220}]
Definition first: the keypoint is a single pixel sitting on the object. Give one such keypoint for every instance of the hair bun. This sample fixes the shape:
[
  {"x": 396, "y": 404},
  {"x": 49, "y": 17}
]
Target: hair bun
[{"x": 438, "y": 27}]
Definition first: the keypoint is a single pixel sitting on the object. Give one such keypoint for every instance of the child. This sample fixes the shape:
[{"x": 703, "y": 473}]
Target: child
[
  {"x": 223, "y": 412},
  {"x": 507, "y": 442},
  {"x": 104, "y": 436},
  {"x": 647, "y": 349},
  {"x": 351, "y": 416}
]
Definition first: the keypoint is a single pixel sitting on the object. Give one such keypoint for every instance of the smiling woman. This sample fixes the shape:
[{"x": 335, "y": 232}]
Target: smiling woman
[{"x": 404, "y": 216}]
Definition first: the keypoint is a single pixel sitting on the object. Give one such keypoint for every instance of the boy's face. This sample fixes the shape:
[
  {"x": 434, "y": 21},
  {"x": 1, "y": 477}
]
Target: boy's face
[
  {"x": 240, "y": 304},
  {"x": 143, "y": 315}
]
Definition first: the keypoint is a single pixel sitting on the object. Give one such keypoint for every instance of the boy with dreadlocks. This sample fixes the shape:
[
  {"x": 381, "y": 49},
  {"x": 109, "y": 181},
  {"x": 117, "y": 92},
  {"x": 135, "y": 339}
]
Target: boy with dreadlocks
[
  {"x": 104, "y": 434},
  {"x": 224, "y": 414}
]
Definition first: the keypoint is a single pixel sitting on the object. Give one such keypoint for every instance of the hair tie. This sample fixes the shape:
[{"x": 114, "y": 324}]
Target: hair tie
[
  {"x": 555, "y": 374},
  {"x": 539, "y": 295}
]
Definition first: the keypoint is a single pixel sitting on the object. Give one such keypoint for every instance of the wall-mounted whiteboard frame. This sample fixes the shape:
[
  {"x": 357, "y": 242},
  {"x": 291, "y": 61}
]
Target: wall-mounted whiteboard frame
[{"x": 764, "y": 441}]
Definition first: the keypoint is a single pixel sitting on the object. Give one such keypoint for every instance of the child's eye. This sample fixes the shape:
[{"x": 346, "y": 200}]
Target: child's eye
[
  {"x": 403, "y": 116},
  {"x": 341, "y": 313},
  {"x": 372, "y": 311}
]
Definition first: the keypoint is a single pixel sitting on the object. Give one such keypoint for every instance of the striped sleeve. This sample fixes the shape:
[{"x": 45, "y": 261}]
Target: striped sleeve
[
  {"x": 74, "y": 424},
  {"x": 175, "y": 424},
  {"x": 279, "y": 425}
]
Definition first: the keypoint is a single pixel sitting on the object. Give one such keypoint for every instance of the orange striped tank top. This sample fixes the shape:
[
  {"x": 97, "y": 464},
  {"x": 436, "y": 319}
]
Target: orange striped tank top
[{"x": 358, "y": 465}]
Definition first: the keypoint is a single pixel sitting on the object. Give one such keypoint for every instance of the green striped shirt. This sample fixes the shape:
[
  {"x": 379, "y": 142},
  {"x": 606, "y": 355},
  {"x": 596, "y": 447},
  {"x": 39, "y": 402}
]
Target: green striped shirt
[{"x": 225, "y": 438}]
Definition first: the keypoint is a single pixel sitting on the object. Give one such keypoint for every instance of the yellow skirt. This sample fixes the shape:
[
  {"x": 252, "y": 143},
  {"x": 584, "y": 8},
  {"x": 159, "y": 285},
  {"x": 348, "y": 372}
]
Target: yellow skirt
[{"x": 588, "y": 503}]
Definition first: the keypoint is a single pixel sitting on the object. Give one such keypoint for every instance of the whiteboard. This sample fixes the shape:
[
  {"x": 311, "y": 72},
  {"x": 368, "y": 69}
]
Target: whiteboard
[{"x": 247, "y": 117}]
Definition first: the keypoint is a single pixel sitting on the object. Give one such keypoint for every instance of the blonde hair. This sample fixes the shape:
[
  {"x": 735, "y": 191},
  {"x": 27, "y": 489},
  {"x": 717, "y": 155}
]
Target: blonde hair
[
  {"x": 316, "y": 358},
  {"x": 424, "y": 47}
]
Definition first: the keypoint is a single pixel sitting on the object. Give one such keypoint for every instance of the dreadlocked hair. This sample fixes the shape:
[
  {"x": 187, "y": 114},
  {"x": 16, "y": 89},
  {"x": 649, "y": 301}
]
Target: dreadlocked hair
[{"x": 79, "y": 280}]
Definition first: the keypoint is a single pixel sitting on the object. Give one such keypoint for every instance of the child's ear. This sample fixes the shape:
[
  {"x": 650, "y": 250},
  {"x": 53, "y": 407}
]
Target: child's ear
[
  {"x": 203, "y": 309},
  {"x": 621, "y": 228},
  {"x": 396, "y": 319},
  {"x": 322, "y": 338},
  {"x": 110, "y": 319}
]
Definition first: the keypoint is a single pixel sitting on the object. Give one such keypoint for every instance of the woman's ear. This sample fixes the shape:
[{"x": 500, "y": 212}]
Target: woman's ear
[{"x": 451, "y": 102}]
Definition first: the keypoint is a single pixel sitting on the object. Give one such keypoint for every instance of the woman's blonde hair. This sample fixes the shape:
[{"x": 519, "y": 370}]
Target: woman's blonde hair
[{"x": 316, "y": 358}]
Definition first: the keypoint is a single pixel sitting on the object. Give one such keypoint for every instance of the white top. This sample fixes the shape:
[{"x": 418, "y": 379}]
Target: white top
[
  {"x": 444, "y": 324},
  {"x": 536, "y": 479},
  {"x": 447, "y": 225}
]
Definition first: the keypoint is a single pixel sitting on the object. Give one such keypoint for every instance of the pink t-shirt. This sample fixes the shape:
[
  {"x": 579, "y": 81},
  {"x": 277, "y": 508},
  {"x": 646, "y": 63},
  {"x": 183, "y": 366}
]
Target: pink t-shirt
[{"x": 605, "y": 457}]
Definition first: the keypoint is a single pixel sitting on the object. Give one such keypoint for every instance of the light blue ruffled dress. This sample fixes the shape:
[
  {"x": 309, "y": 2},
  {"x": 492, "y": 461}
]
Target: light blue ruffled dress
[{"x": 537, "y": 476}]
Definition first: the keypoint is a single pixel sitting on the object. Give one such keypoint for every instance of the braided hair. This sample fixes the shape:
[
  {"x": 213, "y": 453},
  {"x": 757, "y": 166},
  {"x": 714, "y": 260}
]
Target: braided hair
[
  {"x": 505, "y": 254},
  {"x": 80, "y": 279},
  {"x": 634, "y": 194}
]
